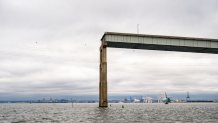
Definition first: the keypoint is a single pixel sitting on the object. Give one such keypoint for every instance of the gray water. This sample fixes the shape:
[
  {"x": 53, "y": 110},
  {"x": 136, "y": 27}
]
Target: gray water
[{"x": 90, "y": 113}]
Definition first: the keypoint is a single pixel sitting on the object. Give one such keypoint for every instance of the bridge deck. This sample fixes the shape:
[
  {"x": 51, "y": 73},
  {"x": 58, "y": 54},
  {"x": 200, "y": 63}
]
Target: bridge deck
[{"x": 158, "y": 42}]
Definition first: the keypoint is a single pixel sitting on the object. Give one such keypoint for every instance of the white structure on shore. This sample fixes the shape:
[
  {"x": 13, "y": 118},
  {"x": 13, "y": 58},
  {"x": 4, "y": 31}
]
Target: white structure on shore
[{"x": 148, "y": 100}]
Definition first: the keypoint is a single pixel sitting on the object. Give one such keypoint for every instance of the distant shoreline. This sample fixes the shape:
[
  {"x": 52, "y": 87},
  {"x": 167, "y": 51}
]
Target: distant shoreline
[{"x": 23, "y": 102}]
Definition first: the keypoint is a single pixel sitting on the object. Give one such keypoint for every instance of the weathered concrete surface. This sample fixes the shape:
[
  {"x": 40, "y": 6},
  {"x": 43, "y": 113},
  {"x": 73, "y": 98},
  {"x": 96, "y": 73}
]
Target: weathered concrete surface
[{"x": 103, "y": 102}]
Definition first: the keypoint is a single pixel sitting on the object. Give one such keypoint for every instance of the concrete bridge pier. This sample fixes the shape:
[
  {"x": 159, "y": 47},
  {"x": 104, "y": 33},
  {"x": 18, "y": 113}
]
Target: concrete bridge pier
[{"x": 103, "y": 102}]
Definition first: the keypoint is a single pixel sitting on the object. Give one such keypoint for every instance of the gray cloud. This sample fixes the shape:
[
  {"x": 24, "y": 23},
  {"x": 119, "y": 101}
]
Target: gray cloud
[{"x": 52, "y": 47}]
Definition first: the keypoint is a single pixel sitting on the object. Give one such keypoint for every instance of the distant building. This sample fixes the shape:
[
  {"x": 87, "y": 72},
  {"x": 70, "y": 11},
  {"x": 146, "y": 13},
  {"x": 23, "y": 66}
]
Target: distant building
[
  {"x": 187, "y": 97},
  {"x": 148, "y": 100},
  {"x": 136, "y": 101}
]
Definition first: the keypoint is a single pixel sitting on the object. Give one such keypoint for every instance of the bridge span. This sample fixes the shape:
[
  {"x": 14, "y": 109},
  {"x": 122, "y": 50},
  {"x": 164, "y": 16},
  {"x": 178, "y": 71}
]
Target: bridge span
[{"x": 148, "y": 42}]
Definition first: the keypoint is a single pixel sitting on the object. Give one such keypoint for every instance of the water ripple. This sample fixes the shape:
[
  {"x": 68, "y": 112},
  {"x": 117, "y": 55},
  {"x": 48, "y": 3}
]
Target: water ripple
[{"x": 91, "y": 113}]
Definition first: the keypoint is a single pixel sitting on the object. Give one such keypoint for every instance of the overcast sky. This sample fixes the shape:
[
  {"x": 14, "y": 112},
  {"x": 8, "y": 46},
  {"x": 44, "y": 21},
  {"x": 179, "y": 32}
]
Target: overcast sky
[{"x": 51, "y": 47}]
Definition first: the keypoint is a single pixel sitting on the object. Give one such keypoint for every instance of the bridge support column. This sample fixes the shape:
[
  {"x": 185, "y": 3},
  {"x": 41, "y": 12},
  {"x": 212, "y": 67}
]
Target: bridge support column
[{"x": 103, "y": 102}]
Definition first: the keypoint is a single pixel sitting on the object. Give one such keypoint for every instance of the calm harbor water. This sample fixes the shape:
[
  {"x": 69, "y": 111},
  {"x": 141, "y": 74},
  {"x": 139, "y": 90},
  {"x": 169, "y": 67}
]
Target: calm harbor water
[{"x": 90, "y": 113}]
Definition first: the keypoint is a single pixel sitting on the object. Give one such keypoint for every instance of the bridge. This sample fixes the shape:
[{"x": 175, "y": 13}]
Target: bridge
[{"x": 148, "y": 42}]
